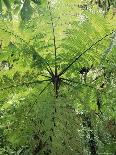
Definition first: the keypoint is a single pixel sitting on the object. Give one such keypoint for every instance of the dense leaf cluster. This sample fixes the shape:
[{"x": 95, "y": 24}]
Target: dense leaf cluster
[{"x": 57, "y": 79}]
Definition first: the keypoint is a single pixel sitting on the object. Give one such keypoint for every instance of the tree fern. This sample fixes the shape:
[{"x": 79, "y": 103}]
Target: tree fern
[{"x": 55, "y": 94}]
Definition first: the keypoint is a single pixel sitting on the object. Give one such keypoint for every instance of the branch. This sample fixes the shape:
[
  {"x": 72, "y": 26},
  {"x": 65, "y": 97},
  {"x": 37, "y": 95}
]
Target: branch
[
  {"x": 54, "y": 37},
  {"x": 77, "y": 57},
  {"x": 24, "y": 83}
]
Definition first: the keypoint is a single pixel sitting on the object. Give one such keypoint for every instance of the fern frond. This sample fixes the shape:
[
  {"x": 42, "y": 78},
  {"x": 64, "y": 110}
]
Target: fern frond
[
  {"x": 23, "y": 84},
  {"x": 77, "y": 57}
]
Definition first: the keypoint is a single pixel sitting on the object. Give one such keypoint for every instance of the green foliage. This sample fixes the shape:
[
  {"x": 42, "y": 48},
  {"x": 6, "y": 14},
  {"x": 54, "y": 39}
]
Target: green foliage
[
  {"x": 57, "y": 80},
  {"x": 25, "y": 8}
]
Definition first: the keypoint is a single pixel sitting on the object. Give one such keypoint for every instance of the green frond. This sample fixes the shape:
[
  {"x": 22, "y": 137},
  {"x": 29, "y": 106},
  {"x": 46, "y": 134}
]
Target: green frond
[{"x": 57, "y": 77}]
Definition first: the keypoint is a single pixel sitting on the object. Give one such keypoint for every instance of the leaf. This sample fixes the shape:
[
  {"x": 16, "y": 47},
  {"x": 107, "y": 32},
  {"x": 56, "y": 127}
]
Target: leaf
[
  {"x": 26, "y": 11},
  {"x": 8, "y": 5}
]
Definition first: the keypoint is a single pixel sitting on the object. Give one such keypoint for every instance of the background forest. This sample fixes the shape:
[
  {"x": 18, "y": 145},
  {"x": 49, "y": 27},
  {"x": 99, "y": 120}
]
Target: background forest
[{"x": 57, "y": 77}]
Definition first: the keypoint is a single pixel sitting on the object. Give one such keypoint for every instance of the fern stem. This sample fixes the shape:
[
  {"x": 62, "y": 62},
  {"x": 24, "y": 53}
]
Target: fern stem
[
  {"x": 77, "y": 57},
  {"x": 30, "y": 47},
  {"x": 43, "y": 90},
  {"x": 72, "y": 81},
  {"x": 24, "y": 83},
  {"x": 54, "y": 38}
]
